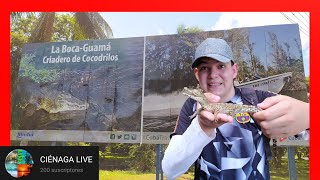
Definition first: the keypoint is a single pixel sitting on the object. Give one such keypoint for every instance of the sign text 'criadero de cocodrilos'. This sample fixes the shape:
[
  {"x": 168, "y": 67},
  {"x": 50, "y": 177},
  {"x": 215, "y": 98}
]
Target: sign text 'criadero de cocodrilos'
[{"x": 77, "y": 49}]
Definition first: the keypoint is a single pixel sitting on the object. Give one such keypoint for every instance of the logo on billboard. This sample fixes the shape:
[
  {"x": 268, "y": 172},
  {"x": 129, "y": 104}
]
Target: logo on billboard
[
  {"x": 126, "y": 137},
  {"x": 133, "y": 136},
  {"x": 23, "y": 134},
  {"x": 119, "y": 136}
]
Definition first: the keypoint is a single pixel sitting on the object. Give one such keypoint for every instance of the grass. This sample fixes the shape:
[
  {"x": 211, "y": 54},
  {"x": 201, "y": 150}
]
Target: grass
[
  {"x": 112, "y": 157},
  {"x": 116, "y": 167},
  {"x": 132, "y": 175},
  {"x": 124, "y": 175},
  {"x": 302, "y": 167}
]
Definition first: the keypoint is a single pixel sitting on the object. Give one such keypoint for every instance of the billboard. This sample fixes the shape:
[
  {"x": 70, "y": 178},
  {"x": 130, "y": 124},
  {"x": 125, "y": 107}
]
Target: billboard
[{"x": 129, "y": 89}]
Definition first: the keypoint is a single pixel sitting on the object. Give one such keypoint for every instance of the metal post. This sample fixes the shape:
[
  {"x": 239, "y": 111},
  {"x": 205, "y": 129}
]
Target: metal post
[
  {"x": 157, "y": 161},
  {"x": 291, "y": 163},
  {"x": 159, "y": 173},
  {"x": 161, "y": 156}
]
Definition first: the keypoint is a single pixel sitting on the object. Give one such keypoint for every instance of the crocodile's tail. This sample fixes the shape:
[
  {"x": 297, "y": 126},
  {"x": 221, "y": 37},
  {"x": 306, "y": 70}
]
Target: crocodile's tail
[{"x": 251, "y": 108}]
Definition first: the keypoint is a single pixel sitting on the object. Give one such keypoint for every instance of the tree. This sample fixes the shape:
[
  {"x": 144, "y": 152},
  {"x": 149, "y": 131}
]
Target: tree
[
  {"x": 92, "y": 25},
  {"x": 182, "y": 29},
  {"x": 237, "y": 39},
  {"x": 47, "y": 27},
  {"x": 21, "y": 28},
  {"x": 279, "y": 54},
  {"x": 17, "y": 16},
  {"x": 142, "y": 157},
  {"x": 50, "y": 27},
  {"x": 26, "y": 28},
  {"x": 288, "y": 53},
  {"x": 257, "y": 68}
]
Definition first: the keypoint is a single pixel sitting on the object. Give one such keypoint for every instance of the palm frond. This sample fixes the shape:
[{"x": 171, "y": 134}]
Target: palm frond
[
  {"x": 93, "y": 25},
  {"x": 44, "y": 28}
]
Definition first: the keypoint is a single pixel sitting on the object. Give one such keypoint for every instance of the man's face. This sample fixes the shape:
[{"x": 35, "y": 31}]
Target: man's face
[{"x": 216, "y": 77}]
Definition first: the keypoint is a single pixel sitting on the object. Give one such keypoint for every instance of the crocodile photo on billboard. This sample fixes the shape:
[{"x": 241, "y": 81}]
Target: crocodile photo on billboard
[{"x": 80, "y": 85}]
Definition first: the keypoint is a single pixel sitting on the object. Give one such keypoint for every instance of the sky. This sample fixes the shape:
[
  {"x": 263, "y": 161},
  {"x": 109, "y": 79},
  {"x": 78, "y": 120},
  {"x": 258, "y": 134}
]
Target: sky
[{"x": 137, "y": 24}]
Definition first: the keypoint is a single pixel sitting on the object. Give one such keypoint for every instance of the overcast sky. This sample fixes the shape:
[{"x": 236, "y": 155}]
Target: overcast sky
[{"x": 127, "y": 24}]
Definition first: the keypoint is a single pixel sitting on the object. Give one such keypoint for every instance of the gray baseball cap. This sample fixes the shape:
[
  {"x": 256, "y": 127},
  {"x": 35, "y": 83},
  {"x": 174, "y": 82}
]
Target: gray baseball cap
[{"x": 214, "y": 48}]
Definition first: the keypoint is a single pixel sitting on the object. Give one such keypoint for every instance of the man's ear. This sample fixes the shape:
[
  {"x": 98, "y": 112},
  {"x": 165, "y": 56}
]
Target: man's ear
[
  {"x": 196, "y": 73},
  {"x": 235, "y": 70}
]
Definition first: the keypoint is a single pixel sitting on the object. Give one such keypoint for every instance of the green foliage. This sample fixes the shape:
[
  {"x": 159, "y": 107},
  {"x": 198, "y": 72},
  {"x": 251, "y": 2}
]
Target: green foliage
[
  {"x": 23, "y": 24},
  {"x": 28, "y": 69},
  {"x": 78, "y": 144},
  {"x": 143, "y": 157},
  {"x": 119, "y": 148},
  {"x": 17, "y": 16},
  {"x": 66, "y": 28},
  {"x": 140, "y": 158},
  {"x": 302, "y": 152},
  {"x": 302, "y": 167},
  {"x": 182, "y": 29},
  {"x": 277, "y": 154},
  {"x": 20, "y": 31},
  {"x": 308, "y": 83}
]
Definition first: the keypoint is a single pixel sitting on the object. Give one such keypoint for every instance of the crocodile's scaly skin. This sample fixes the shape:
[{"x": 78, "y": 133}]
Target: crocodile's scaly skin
[{"x": 215, "y": 108}]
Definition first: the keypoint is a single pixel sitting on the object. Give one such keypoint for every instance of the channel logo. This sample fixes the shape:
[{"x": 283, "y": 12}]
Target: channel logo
[{"x": 18, "y": 163}]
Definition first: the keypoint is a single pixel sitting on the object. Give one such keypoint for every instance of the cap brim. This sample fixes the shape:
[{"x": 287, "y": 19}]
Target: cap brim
[{"x": 217, "y": 57}]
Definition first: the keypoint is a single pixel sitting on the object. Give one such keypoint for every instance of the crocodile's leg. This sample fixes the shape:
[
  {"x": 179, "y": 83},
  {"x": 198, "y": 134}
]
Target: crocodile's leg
[{"x": 215, "y": 114}]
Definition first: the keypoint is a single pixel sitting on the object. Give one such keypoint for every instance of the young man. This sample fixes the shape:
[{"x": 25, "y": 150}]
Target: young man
[{"x": 222, "y": 148}]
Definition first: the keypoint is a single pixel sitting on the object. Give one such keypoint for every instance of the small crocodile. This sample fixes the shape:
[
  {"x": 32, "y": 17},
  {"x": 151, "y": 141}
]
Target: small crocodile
[{"x": 227, "y": 108}]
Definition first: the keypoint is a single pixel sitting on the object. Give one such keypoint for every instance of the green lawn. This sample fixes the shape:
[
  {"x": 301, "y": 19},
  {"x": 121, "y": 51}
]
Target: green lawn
[
  {"x": 131, "y": 175},
  {"x": 282, "y": 173}
]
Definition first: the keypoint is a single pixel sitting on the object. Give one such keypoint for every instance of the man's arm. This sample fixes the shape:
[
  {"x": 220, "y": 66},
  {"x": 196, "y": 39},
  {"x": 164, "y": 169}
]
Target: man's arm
[{"x": 183, "y": 150}]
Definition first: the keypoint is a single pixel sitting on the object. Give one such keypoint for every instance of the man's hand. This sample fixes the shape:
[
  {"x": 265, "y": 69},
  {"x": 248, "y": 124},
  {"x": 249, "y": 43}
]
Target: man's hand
[
  {"x": 282, "y": 116},
  {"x": 206, "y": 118}
]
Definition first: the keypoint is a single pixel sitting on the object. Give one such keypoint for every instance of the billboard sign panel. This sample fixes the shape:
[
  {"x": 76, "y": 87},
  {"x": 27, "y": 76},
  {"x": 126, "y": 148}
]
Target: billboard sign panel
[{"x": 129, "y": 89}]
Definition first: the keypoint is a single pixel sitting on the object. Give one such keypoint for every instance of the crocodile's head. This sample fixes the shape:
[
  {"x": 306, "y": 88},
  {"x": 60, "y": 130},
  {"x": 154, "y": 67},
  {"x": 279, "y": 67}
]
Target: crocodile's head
[{"x": 196, "y": 94}]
